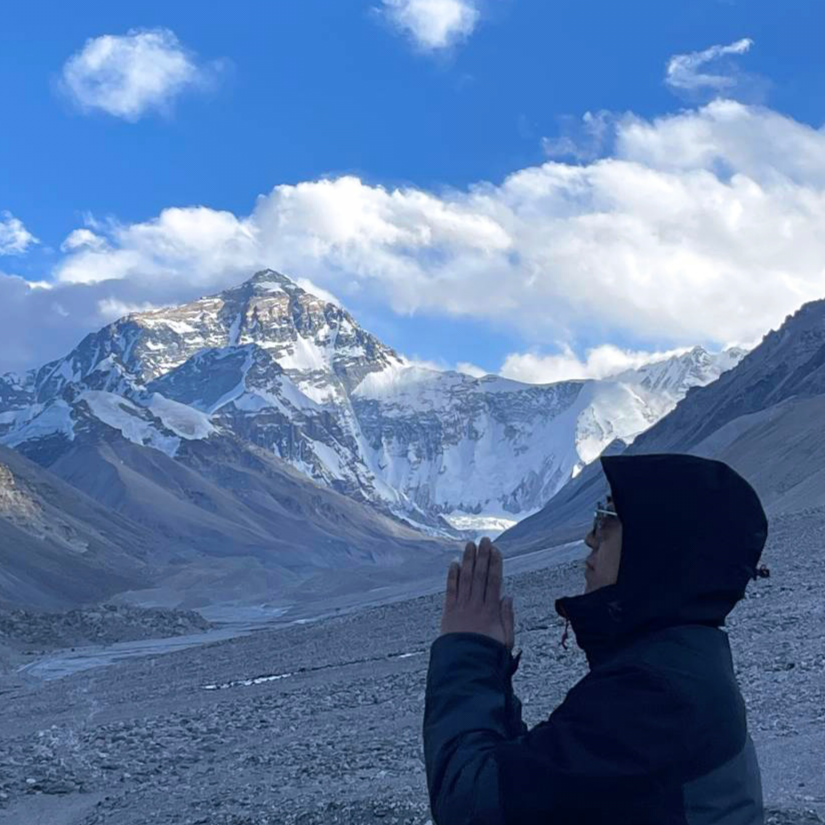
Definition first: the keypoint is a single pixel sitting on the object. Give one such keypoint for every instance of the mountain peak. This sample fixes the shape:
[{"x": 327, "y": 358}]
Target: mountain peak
[{"x": 272, "y": 281}]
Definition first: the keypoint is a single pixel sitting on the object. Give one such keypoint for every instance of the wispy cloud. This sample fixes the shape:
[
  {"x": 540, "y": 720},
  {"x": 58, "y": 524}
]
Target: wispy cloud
[
  {"x": 15, "y": 239},
  {"x": 583, "y": 139},
  {"x": 432, "y": 25},
  {"x": 132, "y": 74},
  {"x": 600, "y": 362},
  {"x": 710, "y": 70},
  {"x": 80, "y": 238}
]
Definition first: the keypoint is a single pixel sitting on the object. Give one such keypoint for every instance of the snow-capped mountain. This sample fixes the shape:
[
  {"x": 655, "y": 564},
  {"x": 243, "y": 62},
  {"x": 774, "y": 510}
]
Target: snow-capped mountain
[
  {"x": 668, "y": 380},
  {"x": 269, "y": 363},
  {"x": 310, "y": 338},
  {"x": 765, "y": 418},
  {"x": 500, "y": 449}
]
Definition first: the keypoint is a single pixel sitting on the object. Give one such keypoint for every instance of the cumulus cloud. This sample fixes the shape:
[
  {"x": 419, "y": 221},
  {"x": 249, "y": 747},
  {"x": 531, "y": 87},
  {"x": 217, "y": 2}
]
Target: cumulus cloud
[
  {"x": 129, "y": 75},
  {"x": 700, "y": 226},
  {"x": 712, "y": 73},
  {"x": 432, "y": 24},
  {"x": 15, "y": 239}
]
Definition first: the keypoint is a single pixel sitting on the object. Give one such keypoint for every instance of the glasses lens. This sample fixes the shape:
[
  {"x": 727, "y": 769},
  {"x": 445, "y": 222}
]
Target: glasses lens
[{"x": 600, "y": 518}]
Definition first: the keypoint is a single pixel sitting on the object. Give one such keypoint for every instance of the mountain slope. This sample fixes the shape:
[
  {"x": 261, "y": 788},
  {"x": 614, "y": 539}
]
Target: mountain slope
[
  {"x": 763, "y": 417},
  {"x": 290, "y": 372},
  {"x": 59, "y": 548},
  {"x": 229, "y": 523}
]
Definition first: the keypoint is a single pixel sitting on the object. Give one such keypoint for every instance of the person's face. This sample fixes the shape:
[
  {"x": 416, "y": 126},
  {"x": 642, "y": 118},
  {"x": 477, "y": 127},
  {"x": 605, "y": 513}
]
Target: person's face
[{"x": 602, "y": 565}]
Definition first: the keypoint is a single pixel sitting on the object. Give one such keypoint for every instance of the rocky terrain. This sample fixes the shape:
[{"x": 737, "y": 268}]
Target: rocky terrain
[
  {"x": 320, "y": 723},
  {"x": 31, "y": 631}
]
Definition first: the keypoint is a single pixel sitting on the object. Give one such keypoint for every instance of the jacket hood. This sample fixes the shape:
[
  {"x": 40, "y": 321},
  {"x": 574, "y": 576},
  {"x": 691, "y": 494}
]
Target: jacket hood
[{"x": 693, "y": 531}]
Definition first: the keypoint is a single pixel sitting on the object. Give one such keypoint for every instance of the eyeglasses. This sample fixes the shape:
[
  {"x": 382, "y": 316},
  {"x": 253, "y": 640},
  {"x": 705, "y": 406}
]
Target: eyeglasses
[{"x": 601, "y": 515}]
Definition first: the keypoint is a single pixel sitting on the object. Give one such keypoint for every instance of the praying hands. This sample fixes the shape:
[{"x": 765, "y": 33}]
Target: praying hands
[{"x": 473, "y": 601}]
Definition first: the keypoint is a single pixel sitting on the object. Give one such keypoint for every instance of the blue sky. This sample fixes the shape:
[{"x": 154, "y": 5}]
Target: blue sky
[{"x": 290, "y": 94}]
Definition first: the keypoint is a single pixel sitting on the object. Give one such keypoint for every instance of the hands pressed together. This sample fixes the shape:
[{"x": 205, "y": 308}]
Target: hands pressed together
[{"x": 473, "y": 601}]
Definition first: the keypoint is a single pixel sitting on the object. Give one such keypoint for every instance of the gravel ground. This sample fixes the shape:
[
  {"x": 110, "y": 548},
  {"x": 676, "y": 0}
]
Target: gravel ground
[{"x": 320, "y": 723}]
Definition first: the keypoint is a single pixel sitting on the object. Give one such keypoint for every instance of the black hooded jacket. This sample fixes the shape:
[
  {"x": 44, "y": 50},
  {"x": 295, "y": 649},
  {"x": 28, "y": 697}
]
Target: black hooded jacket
[{"x": 656, "y": 732}]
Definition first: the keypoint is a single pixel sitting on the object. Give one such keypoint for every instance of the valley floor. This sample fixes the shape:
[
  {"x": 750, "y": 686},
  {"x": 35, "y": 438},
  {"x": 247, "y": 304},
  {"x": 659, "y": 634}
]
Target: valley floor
[{"x": 320, "y": 723}]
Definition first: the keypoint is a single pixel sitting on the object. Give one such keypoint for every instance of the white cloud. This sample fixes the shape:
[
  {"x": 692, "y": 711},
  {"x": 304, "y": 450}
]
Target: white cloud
[
  {"x": 600, "y": 362},
  {"x": 15, "y": 239},
  {"x": 82, "y": 238},
  {"x": 110, "y": 309},
  {"x": 128, "y": 75},
  {"x": 443, "y": 366},
  {"x": 700, "y": 226},
  {"x": 216, "y": 242},
  {"x": 471, "y": 369},
  {"x": 582, "y": 140},
  {"x": 684, "y": 71},
  {"x": 426, "y": 364},
  {"x": 433, "y": 24},
  {"x": 318, "y": 291}
]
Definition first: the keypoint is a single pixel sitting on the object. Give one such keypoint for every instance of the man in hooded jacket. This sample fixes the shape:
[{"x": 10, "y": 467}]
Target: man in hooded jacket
[{"x": 656, "y": 732}]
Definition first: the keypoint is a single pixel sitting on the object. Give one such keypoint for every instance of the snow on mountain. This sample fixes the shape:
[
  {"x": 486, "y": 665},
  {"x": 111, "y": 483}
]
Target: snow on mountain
[
  {"x": 763, "y": 418},
  {"x": 309, "y": 337},
  {"x": 248, "y": 392},
  {"x": 269, "y": 363},
  {"x": 55, "y": 419},
  {"x": 15, "y": 390},
  {"x": 182, "y": 420},
  {"x": 160, "y": 424},
  {"x": 498, "y": 448},
  {"x": 668, "y": 380}
]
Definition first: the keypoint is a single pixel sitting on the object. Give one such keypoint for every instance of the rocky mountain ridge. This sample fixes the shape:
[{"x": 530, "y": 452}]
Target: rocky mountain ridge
[
  {"x": 764, "y": 418},
  {"x": 269, "y": 363}
]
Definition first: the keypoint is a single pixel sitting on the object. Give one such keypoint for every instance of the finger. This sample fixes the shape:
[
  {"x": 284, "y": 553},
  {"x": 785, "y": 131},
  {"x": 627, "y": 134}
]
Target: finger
[
  {"x": 451, "y": 593},
  {"x": 465, "y": 589},
  {"x": 495, "y": 574},
  {"x": 481, "y": 570}
]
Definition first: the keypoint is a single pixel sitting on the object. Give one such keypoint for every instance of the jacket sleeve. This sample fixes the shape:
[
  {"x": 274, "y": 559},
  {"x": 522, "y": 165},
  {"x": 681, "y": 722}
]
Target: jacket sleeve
[
  {"x": 615, "y": 743},
  {"x": 469, "y": 707}
]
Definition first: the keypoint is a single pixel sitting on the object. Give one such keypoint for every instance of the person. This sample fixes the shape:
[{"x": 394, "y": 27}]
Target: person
[{"x": 656, "y": 731}]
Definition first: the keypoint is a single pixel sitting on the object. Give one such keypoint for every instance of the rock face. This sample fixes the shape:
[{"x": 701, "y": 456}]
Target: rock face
[{"x": 272, "y": 365}]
